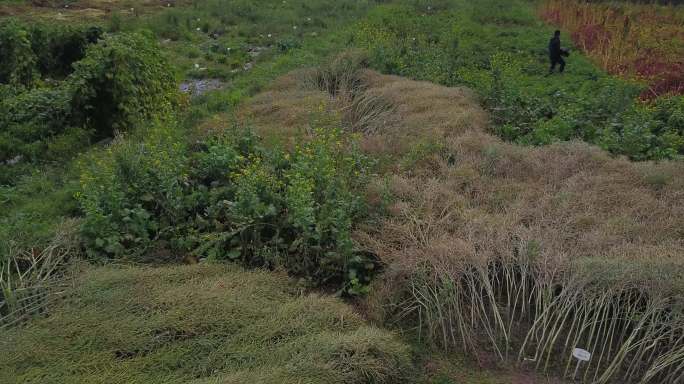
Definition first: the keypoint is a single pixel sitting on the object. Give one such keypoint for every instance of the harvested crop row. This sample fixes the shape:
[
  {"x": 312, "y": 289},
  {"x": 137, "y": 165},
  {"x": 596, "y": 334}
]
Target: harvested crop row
[
  {"x": 517, "y": 252},
  {"x": 534, "y": 251}
]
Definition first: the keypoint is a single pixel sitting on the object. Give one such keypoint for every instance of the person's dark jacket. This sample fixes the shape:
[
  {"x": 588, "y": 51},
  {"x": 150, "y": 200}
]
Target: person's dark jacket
[{"x": 555, "y": 48}]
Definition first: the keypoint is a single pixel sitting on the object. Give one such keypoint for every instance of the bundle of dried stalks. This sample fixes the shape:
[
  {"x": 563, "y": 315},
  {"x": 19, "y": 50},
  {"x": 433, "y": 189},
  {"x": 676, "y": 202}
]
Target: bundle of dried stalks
[
  {"x": 529, "y": 253},
  {"x": 31, "y": 279}
]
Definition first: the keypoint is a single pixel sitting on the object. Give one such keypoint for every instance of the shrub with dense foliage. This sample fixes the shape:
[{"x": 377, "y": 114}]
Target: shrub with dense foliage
[
  {"x": 17, "y": 66},
  {"x": 108, "y": 84},
  {"x": 231, "y": 199},
  {"x": 31, "y": 54},
  {"x": 122, "y": 80}
]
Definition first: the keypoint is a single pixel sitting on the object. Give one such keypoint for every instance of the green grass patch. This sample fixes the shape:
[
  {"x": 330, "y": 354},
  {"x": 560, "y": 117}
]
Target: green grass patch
[{"x": 200, "y": 324}]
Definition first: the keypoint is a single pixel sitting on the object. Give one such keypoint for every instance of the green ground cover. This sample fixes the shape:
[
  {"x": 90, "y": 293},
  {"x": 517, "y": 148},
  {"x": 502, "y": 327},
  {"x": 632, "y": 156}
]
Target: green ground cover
[
  {"x": 164, "y": 188},
  {"x": 499, "y": 49},
  {"x": 29, "y": 219}
]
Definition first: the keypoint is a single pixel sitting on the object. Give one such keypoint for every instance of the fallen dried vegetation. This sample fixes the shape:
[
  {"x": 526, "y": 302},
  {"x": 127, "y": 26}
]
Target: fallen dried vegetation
[{"x": 201, "y": 324}]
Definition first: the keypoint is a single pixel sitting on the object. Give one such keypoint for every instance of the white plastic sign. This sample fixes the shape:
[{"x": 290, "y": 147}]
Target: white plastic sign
[{"x": 581, "y": 354}]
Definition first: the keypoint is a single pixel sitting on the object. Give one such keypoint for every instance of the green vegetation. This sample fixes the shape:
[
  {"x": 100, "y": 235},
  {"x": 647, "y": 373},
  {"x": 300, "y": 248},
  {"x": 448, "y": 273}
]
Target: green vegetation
[
  {"x": 221, "y": 38},
  {"x": 109, "y": 86},
  {"x": 303, "y": 223},
  {"x": 230, "y": 199},
  {"x": 125, "y": 83},
  {"x": 499, "y": 49},
  {"x": 413, "y": 199}
]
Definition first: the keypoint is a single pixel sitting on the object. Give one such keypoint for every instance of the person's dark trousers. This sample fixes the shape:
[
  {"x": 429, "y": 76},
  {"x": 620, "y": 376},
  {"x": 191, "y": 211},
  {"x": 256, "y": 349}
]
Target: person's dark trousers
[{"x": 557, "y": 60}]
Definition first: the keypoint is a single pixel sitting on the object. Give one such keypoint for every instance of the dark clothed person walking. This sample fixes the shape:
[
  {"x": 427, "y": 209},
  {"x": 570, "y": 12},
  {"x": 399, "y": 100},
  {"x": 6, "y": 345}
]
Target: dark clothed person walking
[{"x": 556, "y": 53}]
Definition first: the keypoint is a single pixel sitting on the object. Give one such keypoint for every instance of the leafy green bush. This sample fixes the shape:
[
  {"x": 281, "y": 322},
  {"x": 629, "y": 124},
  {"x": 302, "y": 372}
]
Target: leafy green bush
[
  {"x": 58, "y": 47},
  {"x": 127, "y": 189},
  {"x": 231, "y": 200},
  {"x": 322, "y": 201},
  {"x": 32, "y": 52},
  {"x": 30, "y": 119},
  {"x": 121, "y": 81},
  {"x": 17, "y": 60}
]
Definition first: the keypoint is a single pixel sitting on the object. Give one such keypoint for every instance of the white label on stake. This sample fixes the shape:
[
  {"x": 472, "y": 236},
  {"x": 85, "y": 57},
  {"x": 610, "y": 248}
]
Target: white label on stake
[{"x": 581, "y": 354}]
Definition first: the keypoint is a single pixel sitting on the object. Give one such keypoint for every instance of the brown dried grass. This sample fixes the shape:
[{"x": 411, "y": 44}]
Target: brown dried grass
[
  {"x": 286, "y": 110},
  {"x": 531, "y": 252},
  {"x": 520, "y": 251}
]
